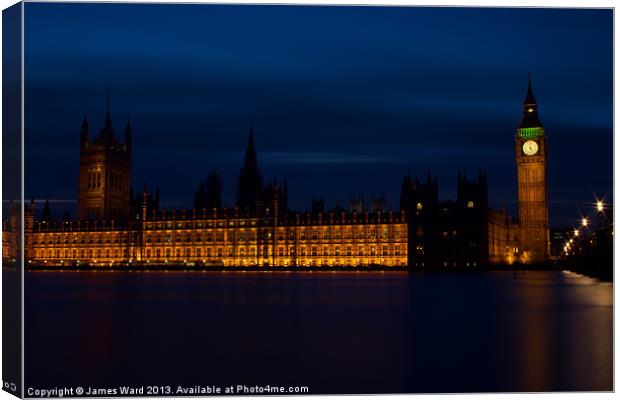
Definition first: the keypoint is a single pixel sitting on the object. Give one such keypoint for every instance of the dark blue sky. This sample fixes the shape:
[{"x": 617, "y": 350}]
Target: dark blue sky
[{"x": 342, "y": 99}]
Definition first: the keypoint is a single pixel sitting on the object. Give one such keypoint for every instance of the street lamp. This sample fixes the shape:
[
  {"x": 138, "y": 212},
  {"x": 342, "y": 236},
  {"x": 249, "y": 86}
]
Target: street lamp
[
  {"x": 584, "y": 222},
  {"x": 576, "y": 232},
  {"x": 599, "y": 206}
]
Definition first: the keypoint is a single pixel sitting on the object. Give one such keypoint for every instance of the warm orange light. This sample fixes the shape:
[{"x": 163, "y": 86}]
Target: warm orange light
[
  {"x": 599, "y": 206},
  {"x": 329, "y": 252},
  {"x": 576, "y": 232},
  {"x": 584, "y": 222}
]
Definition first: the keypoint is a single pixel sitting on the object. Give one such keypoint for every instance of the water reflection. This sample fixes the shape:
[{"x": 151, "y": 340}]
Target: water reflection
[
  {"x": 337, "y": 333},
  {"x": 534, "y": 335}
]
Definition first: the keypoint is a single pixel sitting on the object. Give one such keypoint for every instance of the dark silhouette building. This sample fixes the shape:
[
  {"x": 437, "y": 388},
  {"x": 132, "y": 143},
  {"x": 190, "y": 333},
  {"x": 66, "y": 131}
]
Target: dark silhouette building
[
  {"x": 209, "y": 193},
  {"x": 447, "y": 233}
]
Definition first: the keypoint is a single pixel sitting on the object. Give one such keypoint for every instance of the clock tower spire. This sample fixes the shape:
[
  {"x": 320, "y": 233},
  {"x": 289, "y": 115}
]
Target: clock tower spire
[
  {"x": 531, "y": 157},
  {"x": 530, "y": 108}
]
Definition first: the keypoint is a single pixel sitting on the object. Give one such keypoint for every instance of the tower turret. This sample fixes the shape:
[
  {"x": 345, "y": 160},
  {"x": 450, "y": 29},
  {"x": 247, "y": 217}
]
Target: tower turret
[
  {"x": 104, "y": 186},
  {"x": 250, "y": 185},
  {"x": 84, "y": 133},
  {"x": 250, "y": 161},
  {"x": 47, "y": 212},
  {"x": 405, "y": 193},
  {"x": 107, "y": 132},
  {"x": 284, "y": 198},
  {"x": 145, "y": 199},
  {"x": 128, "y": 135},
  {"x": 530, "y": 108}
]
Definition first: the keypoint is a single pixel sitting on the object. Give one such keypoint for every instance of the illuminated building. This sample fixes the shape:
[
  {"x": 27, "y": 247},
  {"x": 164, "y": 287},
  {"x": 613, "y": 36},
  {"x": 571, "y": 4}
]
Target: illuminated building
[
  {"x": 531, "y": 156},
  {"x": 227, "y": 238},
  {"x": 265, "y": 234},
  {"x": 105, "y": 173},
  {"x": 11, "y": 240},
  {"x": 114, "y": 230}
]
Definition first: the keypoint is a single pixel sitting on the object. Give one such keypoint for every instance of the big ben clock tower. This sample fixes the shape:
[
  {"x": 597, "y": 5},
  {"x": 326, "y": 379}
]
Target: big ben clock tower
[{"x": 531, "y": 155}]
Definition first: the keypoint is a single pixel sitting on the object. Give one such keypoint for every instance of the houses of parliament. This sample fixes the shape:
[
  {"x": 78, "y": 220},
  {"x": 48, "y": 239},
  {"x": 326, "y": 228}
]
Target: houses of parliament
[{"x": 114, "y": 228}]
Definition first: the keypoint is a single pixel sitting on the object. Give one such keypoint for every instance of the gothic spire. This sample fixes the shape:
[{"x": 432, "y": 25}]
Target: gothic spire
[
  {"x": 530, "y": 108},
  {"x": 85, "y": 125},
  {"x": 107, "y": 104},
  {"x": 250, "y": 152},
  {"x": 250, "y": 187},
  {"x": 406, "y": 181},
  {"x": 47, "y": 212},
  {"x": 84, "y": 132},
  {"x": 529, "y": 97},
  {"x": 107, "y": 131},
  {"x": 128, "y": 134}
]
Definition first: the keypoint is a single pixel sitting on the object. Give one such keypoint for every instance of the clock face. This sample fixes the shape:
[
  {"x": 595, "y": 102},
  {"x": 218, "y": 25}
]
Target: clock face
[{"x": 530, "y": 147}]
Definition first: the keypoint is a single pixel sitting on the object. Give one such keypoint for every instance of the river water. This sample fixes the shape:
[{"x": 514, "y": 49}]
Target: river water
[{"x": 334, "y": 332}]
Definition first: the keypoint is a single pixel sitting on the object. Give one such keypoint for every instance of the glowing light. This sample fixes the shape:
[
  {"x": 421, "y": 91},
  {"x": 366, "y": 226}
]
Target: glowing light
[
  {"x": 599, "y": 206},
  {"x": 576, "y": 232},
  {"x": 530, "y": 132},
  {"x": 584, "y": 222}
]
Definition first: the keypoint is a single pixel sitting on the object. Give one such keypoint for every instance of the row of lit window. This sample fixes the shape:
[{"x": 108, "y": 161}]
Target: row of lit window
[
  {"x": 278, "y": 262},
  {"x": 324, "y": 262},
  {"x": 264, "y": 251},
  {"x": 219, "y": 236},
  {"x": 251, "y": 236},
  {"x": 192, "y": 225},
  {"x": 83, "y": 239},
  {"x": 232, "y": 223},
  {"x": 83, "y": 253},
  {"x": 281, "y": 251}
]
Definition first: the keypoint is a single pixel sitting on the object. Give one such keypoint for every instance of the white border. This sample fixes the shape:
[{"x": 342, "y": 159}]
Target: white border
[{"x": 462, "y": 3}]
